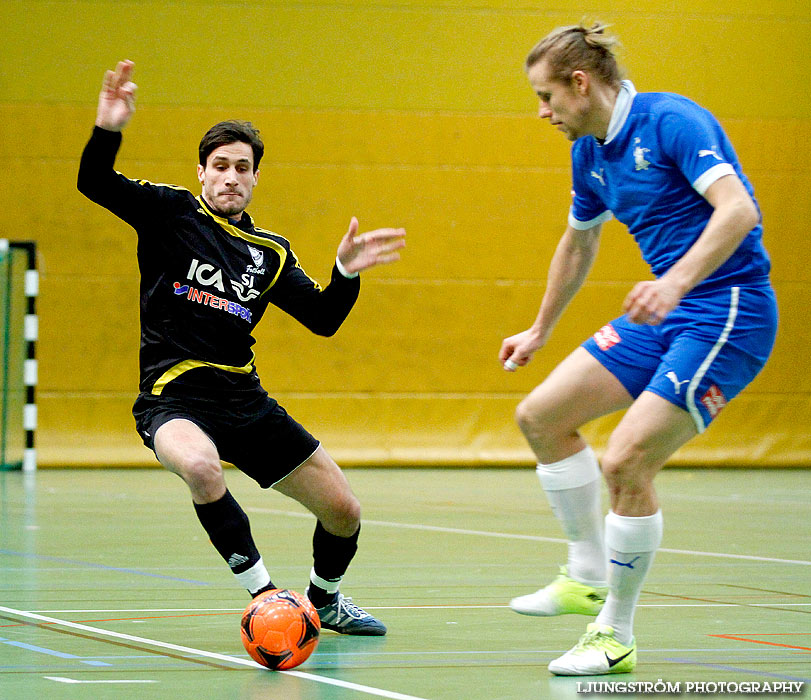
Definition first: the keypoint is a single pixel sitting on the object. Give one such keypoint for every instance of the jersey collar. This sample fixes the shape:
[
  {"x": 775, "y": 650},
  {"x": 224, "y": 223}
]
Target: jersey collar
[
  {"x": 622, "y": 108},
  {"x": 245, "y": 224}
]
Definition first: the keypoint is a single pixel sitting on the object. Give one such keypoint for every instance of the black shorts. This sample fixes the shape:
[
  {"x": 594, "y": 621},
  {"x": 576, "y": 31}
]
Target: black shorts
[{"x": 256, "y": 435}]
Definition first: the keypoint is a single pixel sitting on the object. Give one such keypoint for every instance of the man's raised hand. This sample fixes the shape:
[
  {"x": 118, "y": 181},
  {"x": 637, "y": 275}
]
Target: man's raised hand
[
  {"x": 117, "y": 98},
  {"x": 359, "y": 252}
]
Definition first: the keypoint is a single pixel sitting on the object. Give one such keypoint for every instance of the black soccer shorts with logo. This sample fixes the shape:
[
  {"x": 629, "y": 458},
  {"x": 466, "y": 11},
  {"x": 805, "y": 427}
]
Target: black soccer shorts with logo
[{"x": 251, "y": 431}]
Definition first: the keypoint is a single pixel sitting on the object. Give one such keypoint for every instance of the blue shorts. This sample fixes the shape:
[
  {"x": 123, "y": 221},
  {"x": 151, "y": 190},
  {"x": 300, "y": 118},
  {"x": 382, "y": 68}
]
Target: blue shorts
[{"x": 701, "y": 356}]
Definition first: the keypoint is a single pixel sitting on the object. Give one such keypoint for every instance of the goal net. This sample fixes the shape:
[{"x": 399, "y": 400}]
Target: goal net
[{"x": 19, "y": 284}]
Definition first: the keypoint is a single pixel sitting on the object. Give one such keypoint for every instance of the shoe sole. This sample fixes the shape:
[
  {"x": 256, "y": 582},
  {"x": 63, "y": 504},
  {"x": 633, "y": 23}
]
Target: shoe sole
[
  {"x": 532, "y": 613},
  {"x": 363, "y": 632},
  {"x": 600, "y": 672},
  {"x": 537, "y": 613}
]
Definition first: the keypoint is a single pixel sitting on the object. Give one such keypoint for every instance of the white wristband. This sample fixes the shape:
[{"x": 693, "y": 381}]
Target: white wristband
[{"x": 343, "y": 271}]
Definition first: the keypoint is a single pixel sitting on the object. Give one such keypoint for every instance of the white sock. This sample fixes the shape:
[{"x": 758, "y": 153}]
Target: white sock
[
  {"x": 632, "y": 544},
  {"x": 572, "y": 487},
  {"x": 254, "y": 578},
  {"x": 330, "y": 585}
]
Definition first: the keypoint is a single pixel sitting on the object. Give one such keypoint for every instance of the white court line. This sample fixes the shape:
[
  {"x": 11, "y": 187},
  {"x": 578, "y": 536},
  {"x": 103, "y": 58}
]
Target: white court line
[
  {"x": 533, "y": 538},
  {"x": 61, "y": 679},
  {"x": 90, "y": 611},
  {"x": 639, "y": 605},
  {"x": 210, "y": 654}
]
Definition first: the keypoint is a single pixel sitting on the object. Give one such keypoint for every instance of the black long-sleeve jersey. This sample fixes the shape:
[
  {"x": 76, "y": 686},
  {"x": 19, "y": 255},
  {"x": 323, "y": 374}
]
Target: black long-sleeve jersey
[{"x": 205, "y": 282}]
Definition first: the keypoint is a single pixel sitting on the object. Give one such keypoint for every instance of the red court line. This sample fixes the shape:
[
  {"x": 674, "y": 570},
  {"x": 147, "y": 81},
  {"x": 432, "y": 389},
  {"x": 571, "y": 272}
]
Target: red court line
[
  {"x": 744, "y": 638},
  {"x": 160, "y": 617}
]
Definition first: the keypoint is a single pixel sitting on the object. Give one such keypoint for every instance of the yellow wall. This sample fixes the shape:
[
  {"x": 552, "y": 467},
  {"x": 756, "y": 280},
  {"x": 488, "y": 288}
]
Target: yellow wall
[{"x": 411, "y": 113}]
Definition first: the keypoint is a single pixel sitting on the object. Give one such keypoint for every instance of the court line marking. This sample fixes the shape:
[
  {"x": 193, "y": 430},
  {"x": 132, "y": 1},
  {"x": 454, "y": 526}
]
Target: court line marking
[
  {"x": 745, "y": 638},
  {"x": 52, "y": 652},
  {"x": 226, "y": 611},
  {"x": 758, "y": 589},
  {"x": 56, "y": 629},
  {"x": 210, "y": 654},
  {"x": 61, "y": 679},
  {"x": 533, "y": 538},
  {"x": 738, "y": 669},
  {"x": 191, "y": 611},
  {"x": 79, "y": 562},
  {"x": 772, "y": 605}
]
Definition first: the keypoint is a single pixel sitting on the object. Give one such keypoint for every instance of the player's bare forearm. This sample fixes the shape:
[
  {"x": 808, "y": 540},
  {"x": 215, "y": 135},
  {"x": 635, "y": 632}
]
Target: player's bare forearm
[
  {"x": 735, "y": 215},
  {"x": 570, "y": 264},
  {"x": 568, "y": 269}
]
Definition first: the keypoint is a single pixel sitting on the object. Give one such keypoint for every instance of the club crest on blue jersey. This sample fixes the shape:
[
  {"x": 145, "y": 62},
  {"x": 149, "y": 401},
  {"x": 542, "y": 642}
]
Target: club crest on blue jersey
[{"x": 639, "y": 155}]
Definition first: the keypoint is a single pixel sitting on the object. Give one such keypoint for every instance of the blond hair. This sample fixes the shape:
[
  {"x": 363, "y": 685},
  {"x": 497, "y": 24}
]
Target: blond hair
[{"x": 577, "y": 47}]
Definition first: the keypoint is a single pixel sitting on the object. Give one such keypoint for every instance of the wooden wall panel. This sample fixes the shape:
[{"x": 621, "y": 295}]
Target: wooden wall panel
[{"x": 412, "y": 113}]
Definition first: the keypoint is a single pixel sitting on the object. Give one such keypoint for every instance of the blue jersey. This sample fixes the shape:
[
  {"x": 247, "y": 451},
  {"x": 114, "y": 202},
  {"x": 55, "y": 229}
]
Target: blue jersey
[{"x": 661, "y": 153}]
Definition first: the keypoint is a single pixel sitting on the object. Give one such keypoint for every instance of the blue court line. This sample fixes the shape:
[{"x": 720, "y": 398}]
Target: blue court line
[
  {"x": 53, "y": 652},
  {"x": 78, "y": 562},
  {"x": 737, "y": 669}
]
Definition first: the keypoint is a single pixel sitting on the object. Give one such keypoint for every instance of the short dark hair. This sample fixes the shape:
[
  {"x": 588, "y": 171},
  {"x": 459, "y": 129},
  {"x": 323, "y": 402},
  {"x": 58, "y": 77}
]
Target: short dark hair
[{"x": 231, "y": 131}]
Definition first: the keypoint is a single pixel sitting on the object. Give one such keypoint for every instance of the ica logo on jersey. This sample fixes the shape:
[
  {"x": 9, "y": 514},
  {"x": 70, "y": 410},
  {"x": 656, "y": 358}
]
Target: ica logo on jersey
[{"x": 210, "y": 276}]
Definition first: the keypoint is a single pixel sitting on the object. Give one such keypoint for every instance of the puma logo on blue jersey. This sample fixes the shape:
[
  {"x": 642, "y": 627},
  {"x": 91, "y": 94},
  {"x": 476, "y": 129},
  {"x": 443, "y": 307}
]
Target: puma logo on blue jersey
[{"x": 709, "y": 152}]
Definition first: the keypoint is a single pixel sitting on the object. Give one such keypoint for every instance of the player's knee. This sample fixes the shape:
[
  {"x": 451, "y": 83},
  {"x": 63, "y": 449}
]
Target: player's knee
[
  {"x": 201, "y": 472},
  {"x": 350, "y": 516},
  {"x": 528, "y": 417},
  {"x": 344, "y": 517},
  {"x": 537, "y": 426},
  {"x": 624, "y": 470}
]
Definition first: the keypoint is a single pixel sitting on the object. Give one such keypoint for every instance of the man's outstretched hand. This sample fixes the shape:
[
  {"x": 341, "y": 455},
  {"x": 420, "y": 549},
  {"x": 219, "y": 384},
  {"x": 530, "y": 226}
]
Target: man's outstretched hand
[
  {"x": 117, "y": 98},
  {"x": 358, "y": 252}
]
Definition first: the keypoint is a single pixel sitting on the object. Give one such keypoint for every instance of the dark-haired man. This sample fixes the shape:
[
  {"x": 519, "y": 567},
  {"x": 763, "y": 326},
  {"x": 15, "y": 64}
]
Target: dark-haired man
[{"x": 207, "y": 276}]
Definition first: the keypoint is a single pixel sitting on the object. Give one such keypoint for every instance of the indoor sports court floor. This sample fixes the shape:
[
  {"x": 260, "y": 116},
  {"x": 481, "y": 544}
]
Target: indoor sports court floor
[{"x": 109, "y": 589}]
